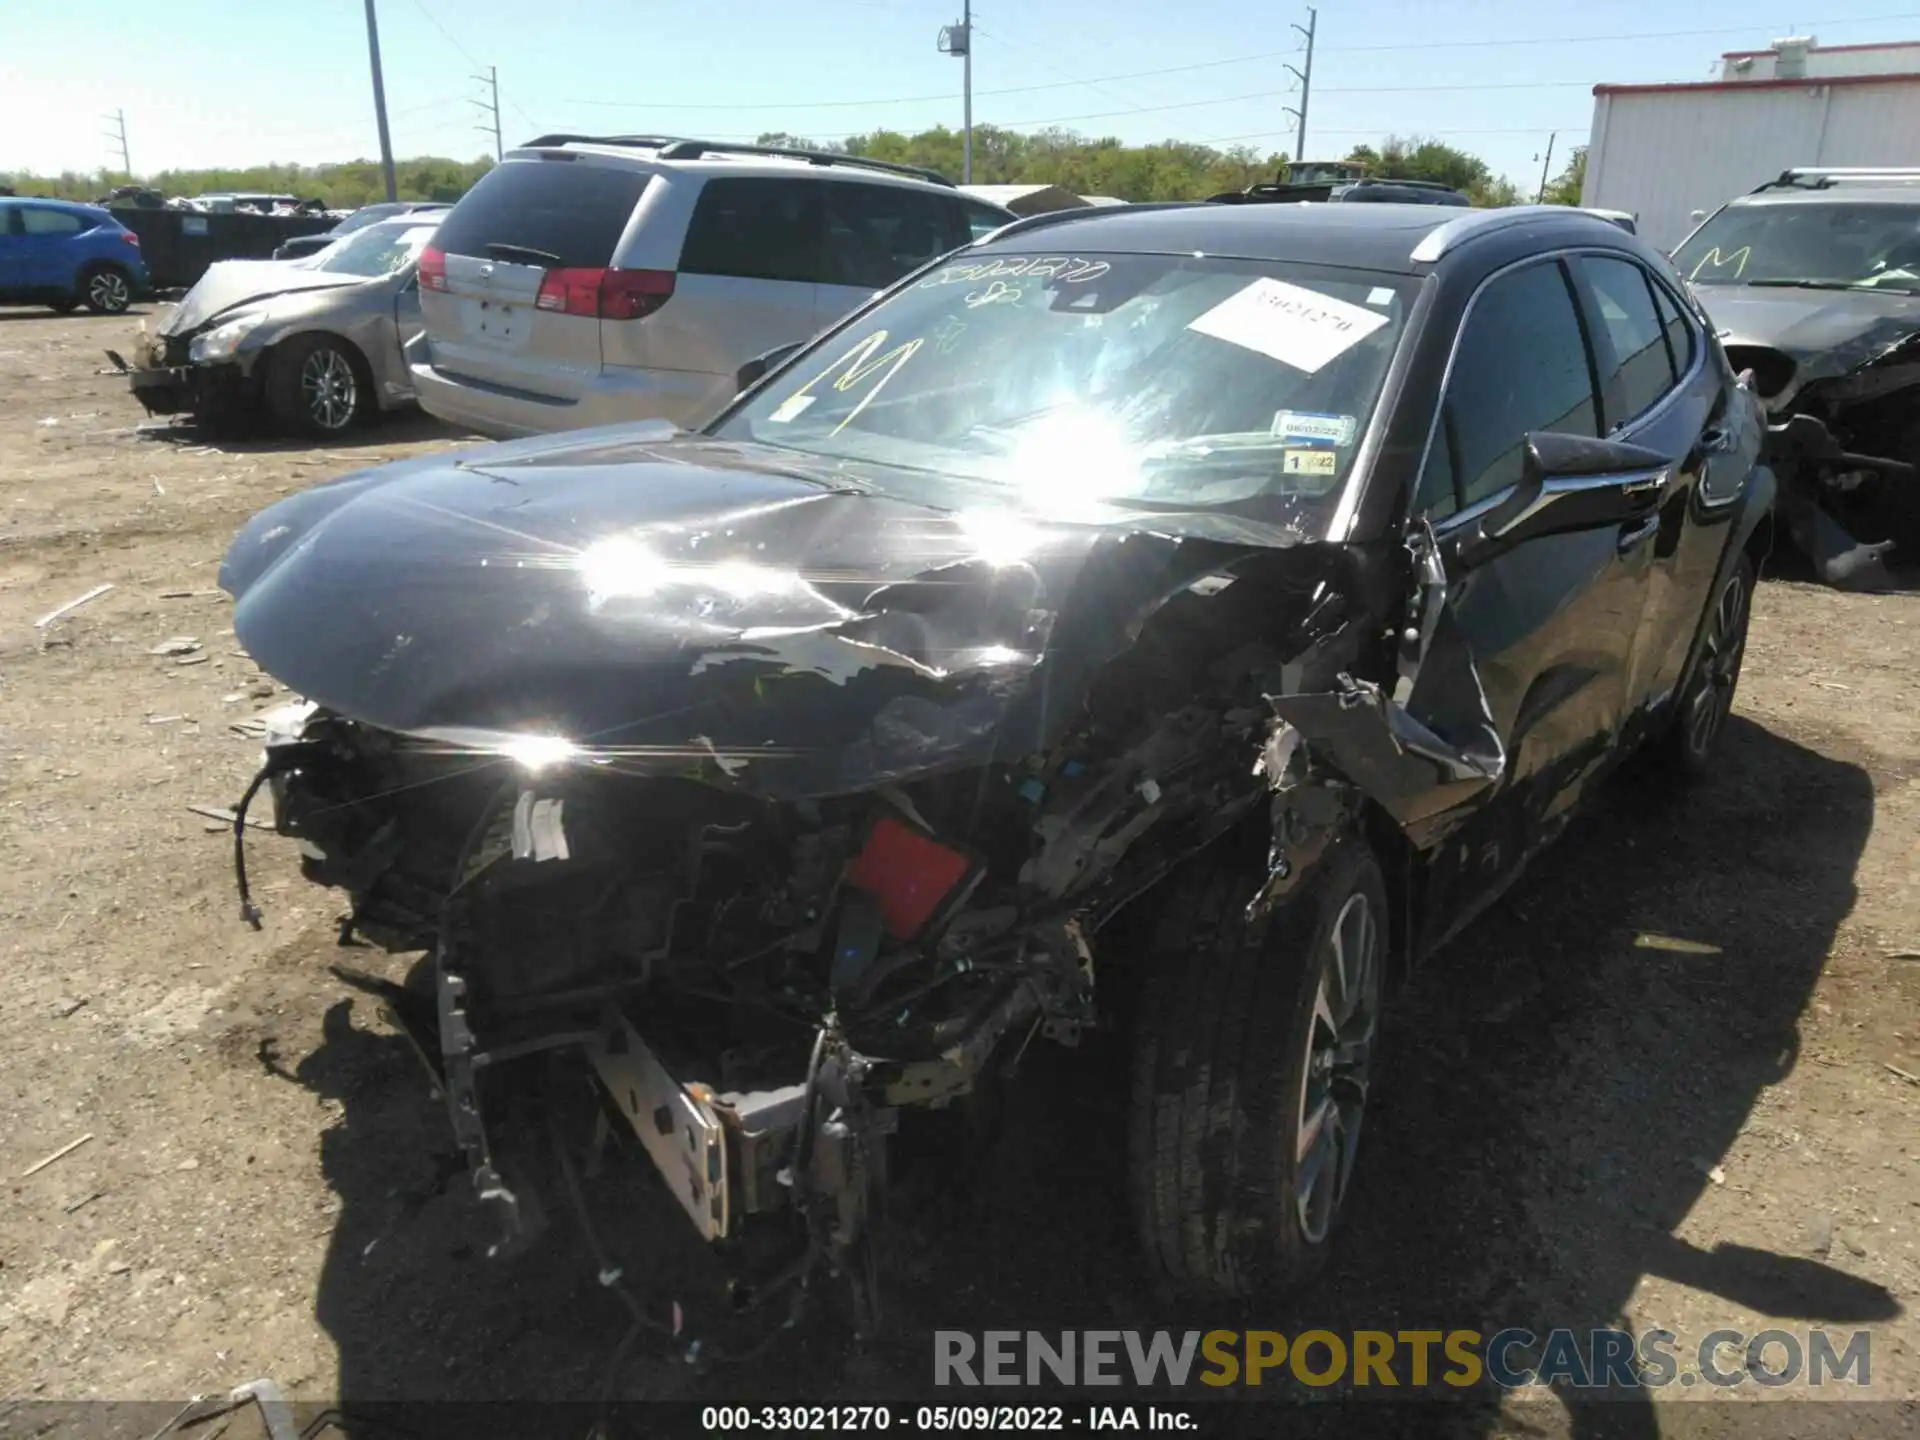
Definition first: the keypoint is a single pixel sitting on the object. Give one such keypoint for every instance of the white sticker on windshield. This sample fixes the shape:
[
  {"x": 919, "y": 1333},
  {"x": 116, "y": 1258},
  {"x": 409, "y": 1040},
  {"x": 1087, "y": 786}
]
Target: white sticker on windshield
[
  {"x": 791, "y": 408},
  {"x": 1315, "y": 429},
  {"x": 1288, "y": 323},
  {"x": 1380, "y": 295},
  {"x": 1309, "y": 462}
]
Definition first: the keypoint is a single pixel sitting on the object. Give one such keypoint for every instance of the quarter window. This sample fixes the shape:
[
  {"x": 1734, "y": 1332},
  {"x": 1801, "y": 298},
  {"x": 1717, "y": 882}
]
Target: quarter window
[
  {"x": 1642, "y": 370},
  {"x": 1521, "y": 366},
  {"x": 877, "y": 233},
  {"x": 36, "y": 221},
  {"x": 1679, "y": 334},
  {"x": 756, "y": 230}
]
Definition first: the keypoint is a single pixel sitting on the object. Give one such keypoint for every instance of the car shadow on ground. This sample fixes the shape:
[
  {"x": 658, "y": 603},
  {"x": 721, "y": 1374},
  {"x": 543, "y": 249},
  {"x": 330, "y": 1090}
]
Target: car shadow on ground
[
  {"x": 1560, "y": 1084},
  {"x": 253, "y": 433},
  {"x": 42, "y": 312}
]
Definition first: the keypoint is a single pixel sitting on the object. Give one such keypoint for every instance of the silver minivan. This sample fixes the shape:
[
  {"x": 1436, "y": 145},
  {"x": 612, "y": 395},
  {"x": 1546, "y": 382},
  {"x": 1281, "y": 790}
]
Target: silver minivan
[{"x": 586, "y": 280}]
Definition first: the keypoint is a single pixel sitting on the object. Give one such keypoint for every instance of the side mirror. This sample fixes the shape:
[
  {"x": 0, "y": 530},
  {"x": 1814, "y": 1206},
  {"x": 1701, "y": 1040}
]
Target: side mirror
[
  {"x": 750, "y": 374},
  {"x": 1567, "y": 483}
]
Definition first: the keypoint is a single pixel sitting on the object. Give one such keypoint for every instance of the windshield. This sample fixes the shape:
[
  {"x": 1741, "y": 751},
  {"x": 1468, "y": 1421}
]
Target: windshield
[
  {"x": 1825, "y": 245},
  {"x": 1076, "y": 382},
  {"x": 377, "y": 250}
]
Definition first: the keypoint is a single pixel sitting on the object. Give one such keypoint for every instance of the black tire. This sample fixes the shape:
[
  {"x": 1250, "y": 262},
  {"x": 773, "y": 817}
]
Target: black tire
[
  {"x": 65, "y": 305},
  {"x": 1221, "y": 1076},
  {"x": 1688, "y": 745},
  {"x": 318, "y": 386},
  {"x": 106, "y": 289}
]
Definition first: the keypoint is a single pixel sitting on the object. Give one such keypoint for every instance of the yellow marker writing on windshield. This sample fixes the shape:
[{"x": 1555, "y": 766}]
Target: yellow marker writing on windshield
[
  {"x": 1719, "y": 261},
  {"x": 860, "y": 362}
]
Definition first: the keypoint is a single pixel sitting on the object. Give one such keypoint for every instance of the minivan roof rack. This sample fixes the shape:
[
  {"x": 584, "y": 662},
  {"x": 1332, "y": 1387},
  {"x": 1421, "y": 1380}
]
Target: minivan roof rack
[
  {"x": 1824, "y": 177},
  {"x": 679, "y": 147}
]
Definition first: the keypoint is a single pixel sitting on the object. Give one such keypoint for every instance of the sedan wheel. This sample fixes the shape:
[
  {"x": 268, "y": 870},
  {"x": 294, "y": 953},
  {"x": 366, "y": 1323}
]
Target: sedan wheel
[
  {"x": 329, "y": 389},
  {"x": 316, "y": 386},
  {"x": 108, "y": 292}
]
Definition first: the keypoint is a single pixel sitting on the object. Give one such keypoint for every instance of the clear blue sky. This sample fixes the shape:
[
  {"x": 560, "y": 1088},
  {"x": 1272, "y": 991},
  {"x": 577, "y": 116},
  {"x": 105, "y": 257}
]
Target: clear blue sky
[{"x": 209, "y": 82}]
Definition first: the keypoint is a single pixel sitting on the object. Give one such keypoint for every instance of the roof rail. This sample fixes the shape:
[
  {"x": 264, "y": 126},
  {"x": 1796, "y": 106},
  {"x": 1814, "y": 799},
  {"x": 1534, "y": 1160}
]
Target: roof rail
[
  {"x": 1823, "y": 177},
  {"x": 681, "y": 147},
  {"x": 1438, "y": 241},
  {"x": 650, "y": 141},
  {"x": 694, "y": 149},
  {"x": 1371, "y": 180}
]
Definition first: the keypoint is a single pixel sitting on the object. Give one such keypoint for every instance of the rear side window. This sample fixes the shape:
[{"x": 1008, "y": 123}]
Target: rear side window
[
  {"x": 526, "y": 210},
  {"x": 37, "y": 221},
  {"x": 1679, "y": 333},
  {"x": 1521, "y": 366},
  {"x": 982, "y": 219},
  {"x": 1642, "y": 369},
  {"x": 756, "y": 230},
  {"x": 877, "y": 233}
]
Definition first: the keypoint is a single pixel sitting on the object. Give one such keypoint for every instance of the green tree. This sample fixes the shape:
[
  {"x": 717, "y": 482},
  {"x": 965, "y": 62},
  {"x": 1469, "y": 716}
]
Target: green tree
[
  {"x": 342, "y": 186},
  {"x": 1564, "y": 188}
]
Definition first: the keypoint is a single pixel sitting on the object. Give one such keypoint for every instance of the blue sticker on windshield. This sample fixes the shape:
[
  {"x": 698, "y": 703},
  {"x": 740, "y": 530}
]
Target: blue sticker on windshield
[{"x": 1313, "y": 429}]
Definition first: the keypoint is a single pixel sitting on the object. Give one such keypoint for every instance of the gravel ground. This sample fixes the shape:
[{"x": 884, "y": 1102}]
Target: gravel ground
[{"x": 1668, "y": 1082}]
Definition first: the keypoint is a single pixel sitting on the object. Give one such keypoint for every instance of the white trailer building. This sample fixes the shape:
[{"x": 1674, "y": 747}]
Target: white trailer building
[{"x": 1664, "y": 152}]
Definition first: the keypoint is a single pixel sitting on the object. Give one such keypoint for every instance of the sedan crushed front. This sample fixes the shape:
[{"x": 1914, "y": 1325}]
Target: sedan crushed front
[{"x": 320, "y": 342}]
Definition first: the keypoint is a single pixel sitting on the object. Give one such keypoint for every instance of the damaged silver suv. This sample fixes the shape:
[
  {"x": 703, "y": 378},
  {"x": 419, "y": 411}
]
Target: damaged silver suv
[{"x": 1280, "y": 575}]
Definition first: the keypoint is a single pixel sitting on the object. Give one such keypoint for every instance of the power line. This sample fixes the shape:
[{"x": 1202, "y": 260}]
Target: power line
[
  {"x": 928, "y": 99},
  {"x": 1777, "y": 28},
  {"x": 1097, "y": 80},
  {"x": 446, "y": 34}
]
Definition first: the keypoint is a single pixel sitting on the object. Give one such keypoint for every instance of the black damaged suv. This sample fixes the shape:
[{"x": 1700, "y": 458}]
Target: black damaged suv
[{"x": 1269, "y": 580}]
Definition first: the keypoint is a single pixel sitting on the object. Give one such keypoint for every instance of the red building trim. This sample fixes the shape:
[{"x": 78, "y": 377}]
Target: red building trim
[{"x": 1811, "y": 82}]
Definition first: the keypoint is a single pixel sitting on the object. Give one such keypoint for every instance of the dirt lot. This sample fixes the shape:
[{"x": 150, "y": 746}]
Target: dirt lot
[{"x": 1588, "y": 1123}]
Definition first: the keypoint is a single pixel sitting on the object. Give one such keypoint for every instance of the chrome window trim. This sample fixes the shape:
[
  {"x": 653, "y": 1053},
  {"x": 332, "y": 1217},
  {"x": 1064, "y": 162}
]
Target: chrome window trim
[{"x": 1483, "y": 504}]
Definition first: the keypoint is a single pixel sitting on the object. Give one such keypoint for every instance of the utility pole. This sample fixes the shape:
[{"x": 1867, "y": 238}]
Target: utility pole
[
  {"x": 958, "y": 40},
  {"x": 1305, "y": 77},
  {"x": 119, "y": 136},
  {"x": 1545, "y": 166},
  {"x": 380, "y": 104},
  {"x": 492, "y": 79}
]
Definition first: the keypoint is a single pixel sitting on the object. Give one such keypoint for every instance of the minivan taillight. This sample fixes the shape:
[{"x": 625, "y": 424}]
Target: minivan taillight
[
  {"x": 433, "y": 269},
  {"x": 607, "y": 294}
]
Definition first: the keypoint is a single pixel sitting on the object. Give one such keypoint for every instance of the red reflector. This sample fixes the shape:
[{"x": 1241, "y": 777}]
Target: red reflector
[
  {"x": 130, "y": 238},
  {"x": 634, "y": 294},
  {"x": 433, "y": 269},
  {"x": 909, "y": 873}
]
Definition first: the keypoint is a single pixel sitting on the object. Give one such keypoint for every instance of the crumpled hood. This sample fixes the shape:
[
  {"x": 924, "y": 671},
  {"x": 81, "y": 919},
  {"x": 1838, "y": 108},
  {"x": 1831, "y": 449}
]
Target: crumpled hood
[
  {"x": 1825, "y": 332},
  {"x": 231, "y": 283},
  {"x": 685, "y": 604}
]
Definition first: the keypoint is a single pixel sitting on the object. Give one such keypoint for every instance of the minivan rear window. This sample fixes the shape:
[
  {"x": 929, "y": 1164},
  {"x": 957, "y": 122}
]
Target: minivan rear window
[{"x": 569, "y": 209}]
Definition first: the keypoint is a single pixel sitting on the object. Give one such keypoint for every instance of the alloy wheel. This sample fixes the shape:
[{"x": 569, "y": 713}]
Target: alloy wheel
[
  {"x": 328, "y": 387},
  {"x": 1333, "y": 1089},
  {"x": 1726, "y": 644},
  {"x": 107, "y": 290}
]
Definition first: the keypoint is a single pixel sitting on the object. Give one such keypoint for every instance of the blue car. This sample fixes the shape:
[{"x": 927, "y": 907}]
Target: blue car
[{"x": 56, "y": 253}]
